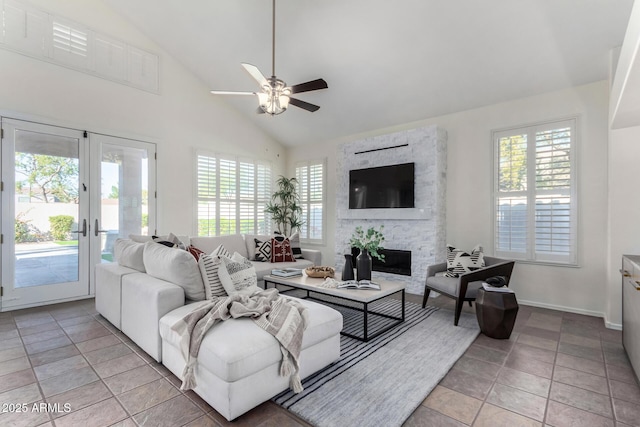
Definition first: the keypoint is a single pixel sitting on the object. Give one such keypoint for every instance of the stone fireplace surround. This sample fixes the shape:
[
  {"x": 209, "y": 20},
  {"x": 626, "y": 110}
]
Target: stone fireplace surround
[{"x": 420, "y": 230}]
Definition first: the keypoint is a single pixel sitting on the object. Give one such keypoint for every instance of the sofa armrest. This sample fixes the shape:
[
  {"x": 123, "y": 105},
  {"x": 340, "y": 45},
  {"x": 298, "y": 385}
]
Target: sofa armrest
[
  {"x": 436, "y": 268},
  {"x": 145, "y": 300},
  {"x": 501, "y": 269},
  {"x": 313, "y": 255}
]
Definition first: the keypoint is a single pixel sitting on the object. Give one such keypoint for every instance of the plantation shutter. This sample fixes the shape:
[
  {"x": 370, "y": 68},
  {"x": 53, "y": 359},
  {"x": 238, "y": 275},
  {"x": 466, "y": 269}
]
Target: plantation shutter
[
  {"x": 311, "y": 184},
  {"x": 232, "y": 195},
  {"x": 535, "y": 193}
]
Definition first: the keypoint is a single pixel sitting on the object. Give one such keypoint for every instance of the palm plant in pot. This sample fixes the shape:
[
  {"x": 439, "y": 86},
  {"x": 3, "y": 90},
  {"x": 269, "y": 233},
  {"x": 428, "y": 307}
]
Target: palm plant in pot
[
  {"x": 369, "y": 243},
  {"x": 284, "y": 206}
]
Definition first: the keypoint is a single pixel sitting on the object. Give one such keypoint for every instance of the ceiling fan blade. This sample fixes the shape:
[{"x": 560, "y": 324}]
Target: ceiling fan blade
[
  {"x": 304, "y": 105},
  {"x": 309, "y": 86},
  {"x": 226, "y": 92},
  {"x": 256, "y": 74}
]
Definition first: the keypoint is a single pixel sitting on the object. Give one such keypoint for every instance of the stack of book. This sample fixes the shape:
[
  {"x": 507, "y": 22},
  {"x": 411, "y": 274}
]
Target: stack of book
[
  {"x": 286, "y": 272},
  {"x": 504, "y": 289}
]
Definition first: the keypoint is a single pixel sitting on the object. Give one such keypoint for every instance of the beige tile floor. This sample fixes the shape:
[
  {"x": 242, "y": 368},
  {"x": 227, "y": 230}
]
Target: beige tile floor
[{"x": 558, "y": 369}]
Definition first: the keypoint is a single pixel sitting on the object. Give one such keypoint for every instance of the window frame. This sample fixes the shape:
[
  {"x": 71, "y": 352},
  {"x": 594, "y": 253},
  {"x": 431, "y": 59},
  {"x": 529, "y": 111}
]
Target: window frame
[
  {"x": 238, "y": 200},
  {"x": 307, "y": 202},
  {"x": 531, "y": 254}
]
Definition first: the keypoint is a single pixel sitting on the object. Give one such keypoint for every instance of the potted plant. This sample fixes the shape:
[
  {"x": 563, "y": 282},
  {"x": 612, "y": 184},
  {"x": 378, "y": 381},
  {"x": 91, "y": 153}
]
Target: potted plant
[
  {"x": 284, "y": 206},
  {"x": 369, "y": 243}
]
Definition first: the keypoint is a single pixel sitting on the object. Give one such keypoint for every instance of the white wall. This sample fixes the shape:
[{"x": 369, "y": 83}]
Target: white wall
[
  {"x": 184, "y": 116},
  {"x": 469, "y": 189},
  {"x": 624, "y": 211}
]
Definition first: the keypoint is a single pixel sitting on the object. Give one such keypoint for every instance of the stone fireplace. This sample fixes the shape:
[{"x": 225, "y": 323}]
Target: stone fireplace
[{"x": 414, "y": 234}]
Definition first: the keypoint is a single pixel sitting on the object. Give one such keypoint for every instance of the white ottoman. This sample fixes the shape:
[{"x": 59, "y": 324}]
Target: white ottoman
[{"x": 239, "y": 362}]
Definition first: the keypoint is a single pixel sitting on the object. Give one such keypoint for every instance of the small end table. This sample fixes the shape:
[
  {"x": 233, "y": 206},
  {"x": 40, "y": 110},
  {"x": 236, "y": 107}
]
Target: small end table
[{"x": 496, "y": 312}]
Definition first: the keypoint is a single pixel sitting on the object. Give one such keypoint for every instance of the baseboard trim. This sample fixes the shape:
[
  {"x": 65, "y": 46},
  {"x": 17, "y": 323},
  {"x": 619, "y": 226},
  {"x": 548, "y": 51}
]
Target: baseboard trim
[
  {"x": 609, "y": 325},
  {"x": 42, "y": 304}
]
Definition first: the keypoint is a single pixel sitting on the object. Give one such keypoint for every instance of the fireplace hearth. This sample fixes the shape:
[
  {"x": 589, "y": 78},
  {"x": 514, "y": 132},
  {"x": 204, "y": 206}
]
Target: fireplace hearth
[{"x": 395, "y": 261}]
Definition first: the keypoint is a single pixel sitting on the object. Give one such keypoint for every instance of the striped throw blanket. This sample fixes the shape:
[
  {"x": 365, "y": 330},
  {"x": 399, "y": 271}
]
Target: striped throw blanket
[{"x": 283, "y": 318}]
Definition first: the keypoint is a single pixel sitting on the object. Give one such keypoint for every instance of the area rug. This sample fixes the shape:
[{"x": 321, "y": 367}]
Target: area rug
[{"x": 381, "y": 382}]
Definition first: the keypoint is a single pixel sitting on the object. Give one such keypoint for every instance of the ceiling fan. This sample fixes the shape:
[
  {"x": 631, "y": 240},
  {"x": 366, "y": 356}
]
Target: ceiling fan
[{"x": 275, "y": 96}]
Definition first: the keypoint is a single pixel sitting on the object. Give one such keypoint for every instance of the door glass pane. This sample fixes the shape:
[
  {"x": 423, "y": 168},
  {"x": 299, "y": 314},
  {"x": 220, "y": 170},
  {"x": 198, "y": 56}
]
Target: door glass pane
[
  {"x": 46, "y": 209},
  {"x": 124, "y": 201}
]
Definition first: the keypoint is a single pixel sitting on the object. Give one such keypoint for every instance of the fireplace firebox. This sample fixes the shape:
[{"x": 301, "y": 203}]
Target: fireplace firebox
[{"x": 395, "y": 261}]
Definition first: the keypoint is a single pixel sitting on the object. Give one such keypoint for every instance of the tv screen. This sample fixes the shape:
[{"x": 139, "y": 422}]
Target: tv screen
[{"x": 382, "y": 187}]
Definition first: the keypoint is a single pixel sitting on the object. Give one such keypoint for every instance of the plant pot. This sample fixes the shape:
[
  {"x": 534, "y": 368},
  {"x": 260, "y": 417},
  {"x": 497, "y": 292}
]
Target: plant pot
[
  {"x": 347, "y": 271},
  {"x": 363, "y": 265}
]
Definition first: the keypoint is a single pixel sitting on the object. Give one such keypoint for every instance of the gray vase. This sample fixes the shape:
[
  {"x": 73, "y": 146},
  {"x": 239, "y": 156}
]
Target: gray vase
[
  {"x": 347, "y": 271},
  {"x": 363, "y": 265}
]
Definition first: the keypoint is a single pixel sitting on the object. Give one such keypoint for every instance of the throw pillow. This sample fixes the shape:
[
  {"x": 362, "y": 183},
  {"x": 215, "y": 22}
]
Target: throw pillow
[
  {"x": 238, "y": 276},
  {"x": 195, "y": 252},
  {"x": 128, "y": 253},
  {"x": 221, "y": 251},
  {"x": 177, "y": 267},
  {"x": 281, "y": 251},
  {"x": 263, "y": 250},
  {"x": 460, "y": 262},
  {"x": 295, "y": 245},
  {"x": 209, "y": 268},
  {"x": 162, "y": 241}
]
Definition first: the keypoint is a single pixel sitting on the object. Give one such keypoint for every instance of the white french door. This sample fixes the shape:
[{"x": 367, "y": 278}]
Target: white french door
[{"x": 67, "y": 194}]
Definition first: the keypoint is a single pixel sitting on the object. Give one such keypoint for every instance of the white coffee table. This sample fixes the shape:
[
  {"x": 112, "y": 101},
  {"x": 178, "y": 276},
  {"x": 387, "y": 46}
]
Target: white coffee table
[{"x": 361, "y": 297}]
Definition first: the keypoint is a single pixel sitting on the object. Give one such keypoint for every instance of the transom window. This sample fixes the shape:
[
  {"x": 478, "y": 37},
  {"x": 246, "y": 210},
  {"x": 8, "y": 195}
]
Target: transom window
[
  {"x": 232, "y": 194},
  {"x": 535, "y": 193},
  {"x": 311, "y": 184}
]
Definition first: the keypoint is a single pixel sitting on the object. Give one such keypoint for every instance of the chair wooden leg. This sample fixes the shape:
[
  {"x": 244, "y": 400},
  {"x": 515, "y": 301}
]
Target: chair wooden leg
[
  {"x": 427, "y": 291},
  {"x": 459, "y": 303}
]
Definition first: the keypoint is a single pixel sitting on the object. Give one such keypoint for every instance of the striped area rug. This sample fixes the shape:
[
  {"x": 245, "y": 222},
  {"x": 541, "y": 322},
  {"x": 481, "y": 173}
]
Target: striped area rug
[{"x": 382, "y": 381}]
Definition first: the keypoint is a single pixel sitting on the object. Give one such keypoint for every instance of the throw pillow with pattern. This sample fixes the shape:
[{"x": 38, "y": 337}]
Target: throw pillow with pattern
[
  {"x": 263, "y": 250},
  {"x": 295, "y": 245},
  {"x": 281, "y": 251},
  {"x": 461, "y": 262},
  {"x": 195, "y": 252},
  {"x": 221, "y": 251},
  {"x": 209, "y": 268},
  {"x": 238, "y": 276}
]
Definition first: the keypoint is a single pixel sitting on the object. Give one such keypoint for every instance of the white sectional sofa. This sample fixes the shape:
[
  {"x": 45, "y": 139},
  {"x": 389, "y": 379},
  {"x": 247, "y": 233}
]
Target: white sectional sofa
[{"x": 238, "y": 364}]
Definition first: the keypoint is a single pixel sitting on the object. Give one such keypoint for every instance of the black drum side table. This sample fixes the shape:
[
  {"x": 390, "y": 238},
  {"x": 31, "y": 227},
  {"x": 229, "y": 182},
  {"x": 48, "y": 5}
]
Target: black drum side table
[{"x": 496, "y": 312}]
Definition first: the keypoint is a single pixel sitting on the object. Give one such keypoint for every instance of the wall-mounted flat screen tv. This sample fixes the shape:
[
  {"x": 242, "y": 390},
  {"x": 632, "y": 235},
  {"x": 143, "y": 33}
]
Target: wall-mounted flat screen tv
[{"x": 382, "y": 187}]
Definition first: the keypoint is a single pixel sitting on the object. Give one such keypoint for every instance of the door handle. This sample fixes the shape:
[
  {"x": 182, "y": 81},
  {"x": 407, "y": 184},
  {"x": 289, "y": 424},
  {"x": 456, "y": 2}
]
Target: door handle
[
  {"x": 97, "y": 229},
  {"x": 84, "y": 229}
]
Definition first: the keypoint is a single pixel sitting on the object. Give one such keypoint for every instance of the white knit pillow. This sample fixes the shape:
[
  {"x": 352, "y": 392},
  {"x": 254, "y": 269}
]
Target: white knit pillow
[
  {"x": 209, "y": 267},
  {"x": 238, "y": 276}
]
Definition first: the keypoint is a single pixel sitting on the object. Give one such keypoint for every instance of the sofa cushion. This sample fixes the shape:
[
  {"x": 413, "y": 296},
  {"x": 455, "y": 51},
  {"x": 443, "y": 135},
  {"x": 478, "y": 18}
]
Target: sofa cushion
[
  {"x": 128, "y": 253},
  {"x": 233, "y": 243},
  {"x": 238, "y": 275},
  {"x": 248, "y": 348},
  {"x": 175, "y": 266},
  {"x": 209, "y": 266}
]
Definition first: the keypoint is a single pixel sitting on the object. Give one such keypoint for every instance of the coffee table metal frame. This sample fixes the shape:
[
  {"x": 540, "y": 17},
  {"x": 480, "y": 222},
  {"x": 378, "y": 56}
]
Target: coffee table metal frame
[{"x": 364, "y": 297}]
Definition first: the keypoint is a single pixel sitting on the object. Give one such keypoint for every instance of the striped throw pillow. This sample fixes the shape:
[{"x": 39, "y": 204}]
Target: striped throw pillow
[{"x": 209, "y": 266}]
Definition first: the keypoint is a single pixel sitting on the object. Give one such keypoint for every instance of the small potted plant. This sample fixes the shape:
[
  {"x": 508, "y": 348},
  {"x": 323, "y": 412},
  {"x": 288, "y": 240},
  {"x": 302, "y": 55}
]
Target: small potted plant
[{"x": 369, "y": 242}]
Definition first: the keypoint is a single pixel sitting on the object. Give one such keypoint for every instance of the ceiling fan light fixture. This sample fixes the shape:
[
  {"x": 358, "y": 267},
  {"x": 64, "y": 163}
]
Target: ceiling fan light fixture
[{"x": 274, "y": 98}]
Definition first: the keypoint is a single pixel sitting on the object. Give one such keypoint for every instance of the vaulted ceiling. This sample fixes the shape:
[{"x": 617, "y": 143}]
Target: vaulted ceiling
[{"x": 386, "y": 62}]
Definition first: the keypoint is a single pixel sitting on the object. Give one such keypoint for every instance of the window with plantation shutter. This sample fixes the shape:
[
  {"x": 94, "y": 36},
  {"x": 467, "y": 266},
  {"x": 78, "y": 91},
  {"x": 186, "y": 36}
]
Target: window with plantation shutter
[
  {"x": 311, "y": 186},
  {"x": 535, "y": 193},
  {"x": 232, "y": 194}
]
